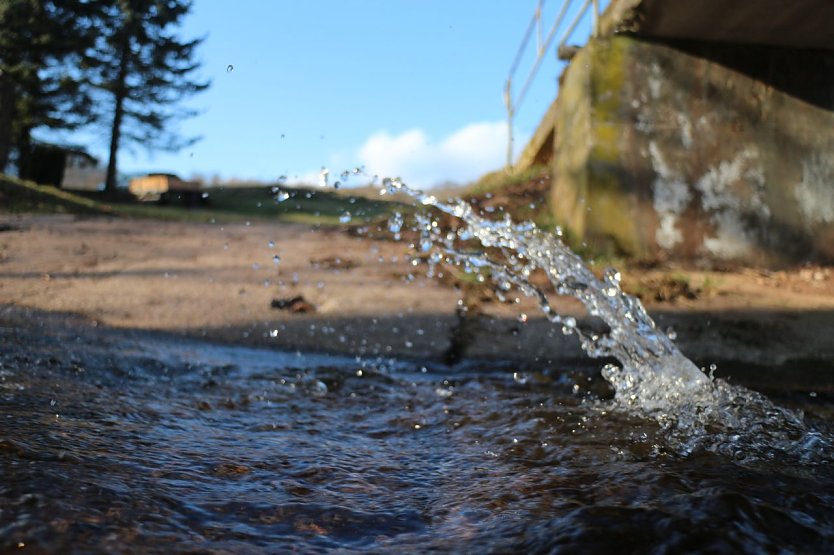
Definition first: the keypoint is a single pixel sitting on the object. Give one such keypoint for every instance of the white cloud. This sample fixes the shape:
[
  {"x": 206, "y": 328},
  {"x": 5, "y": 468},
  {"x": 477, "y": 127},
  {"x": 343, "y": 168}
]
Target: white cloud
[{"x": 461, "y": 157}]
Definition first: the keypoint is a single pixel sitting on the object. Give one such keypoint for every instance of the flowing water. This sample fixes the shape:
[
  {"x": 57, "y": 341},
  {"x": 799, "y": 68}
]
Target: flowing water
[
  {"x": 115, "y": 442},
  {"x": 654, "y": 379}
]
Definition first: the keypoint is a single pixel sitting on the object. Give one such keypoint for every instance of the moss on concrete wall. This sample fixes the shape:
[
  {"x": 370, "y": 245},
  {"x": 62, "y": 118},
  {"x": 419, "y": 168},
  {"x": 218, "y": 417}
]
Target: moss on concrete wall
[
  {"x": 572, "y": 145},
  {"x": 697, "y": 151}
]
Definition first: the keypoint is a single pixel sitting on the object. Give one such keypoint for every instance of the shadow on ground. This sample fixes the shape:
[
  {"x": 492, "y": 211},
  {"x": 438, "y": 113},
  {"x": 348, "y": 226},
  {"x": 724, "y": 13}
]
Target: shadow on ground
[{"x": 768, "y": 350}]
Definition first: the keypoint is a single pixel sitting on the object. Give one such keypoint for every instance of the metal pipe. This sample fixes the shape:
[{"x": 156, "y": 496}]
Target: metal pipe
[
  {"x": 596, "y": 18},
  {"x": 523, "y": 45},
  {"x": 541, "y": 48},
  {"x": 575, "y": 22},
  {"x": 539, "y": 27},
  {"x": 539, "y": 59},
  {"x": 510, "y": 113}
]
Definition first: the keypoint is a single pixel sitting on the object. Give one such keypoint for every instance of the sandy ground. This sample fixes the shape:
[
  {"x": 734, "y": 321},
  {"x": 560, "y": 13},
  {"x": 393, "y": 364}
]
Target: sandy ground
[{"x": 219, "y": 282}]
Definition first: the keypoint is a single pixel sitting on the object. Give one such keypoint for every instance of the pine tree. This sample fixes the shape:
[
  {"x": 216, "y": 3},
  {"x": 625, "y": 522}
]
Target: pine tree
[
  {"x": 42, "y": 45},
  {"x": 146, "y": 70}
]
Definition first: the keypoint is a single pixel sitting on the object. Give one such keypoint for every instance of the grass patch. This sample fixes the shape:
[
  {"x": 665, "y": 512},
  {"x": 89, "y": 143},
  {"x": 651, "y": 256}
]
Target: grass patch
[
  {"x": 502, "y": 179},
  {"x": 18, "y": 196},
  {"x": 302, "y": 205},
  {"x": 225, "y": 205}
]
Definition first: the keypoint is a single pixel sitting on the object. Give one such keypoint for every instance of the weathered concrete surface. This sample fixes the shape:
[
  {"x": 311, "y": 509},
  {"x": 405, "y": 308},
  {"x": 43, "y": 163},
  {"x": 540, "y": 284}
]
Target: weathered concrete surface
[
  {"x": 789, "y": 23},
  {"x": 696, "y": 150}
]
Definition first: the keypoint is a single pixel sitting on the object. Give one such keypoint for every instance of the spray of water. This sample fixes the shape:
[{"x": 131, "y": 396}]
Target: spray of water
[{"x": 653, "y": 378}]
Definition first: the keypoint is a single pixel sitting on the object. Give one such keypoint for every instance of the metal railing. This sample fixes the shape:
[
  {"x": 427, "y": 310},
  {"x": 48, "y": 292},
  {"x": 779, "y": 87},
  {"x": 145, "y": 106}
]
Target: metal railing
[{"x": 542, "y": 47}]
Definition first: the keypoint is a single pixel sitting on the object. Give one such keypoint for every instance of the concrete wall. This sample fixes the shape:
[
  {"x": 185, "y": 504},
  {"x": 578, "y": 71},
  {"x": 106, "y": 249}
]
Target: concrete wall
[{"x": 696, "y": 150}]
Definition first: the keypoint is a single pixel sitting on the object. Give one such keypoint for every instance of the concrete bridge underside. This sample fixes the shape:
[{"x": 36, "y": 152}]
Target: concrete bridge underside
[
  {"x": 788, "y": 23},
  {"x": 699, "y": 129}
]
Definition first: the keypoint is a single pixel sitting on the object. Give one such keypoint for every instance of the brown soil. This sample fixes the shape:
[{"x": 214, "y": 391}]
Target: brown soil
[{"x": 363, "y": 296}]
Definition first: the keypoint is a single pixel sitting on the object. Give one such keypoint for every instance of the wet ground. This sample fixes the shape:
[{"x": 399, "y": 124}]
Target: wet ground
[
  {"x": 118, "y": 441},
  {"x": 220, "y": 282}
]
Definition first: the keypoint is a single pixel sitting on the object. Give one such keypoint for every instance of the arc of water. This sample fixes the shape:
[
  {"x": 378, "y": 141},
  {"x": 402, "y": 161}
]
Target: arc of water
[{"x": 633, "y": 338}]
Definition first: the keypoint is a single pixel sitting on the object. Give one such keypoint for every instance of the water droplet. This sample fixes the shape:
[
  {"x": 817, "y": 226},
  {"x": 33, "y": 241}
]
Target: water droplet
[
  {"x": 271, "y": 244},
  {"x": 276, "y": 259},
  {"x": 273, "y": 333},
  {"x": 522, "y": 318},
  {"x": 612, "y": 276},
  {"x": 230, "y": 68},
  {"x": 323, "y": 176},
  {"x": 395, "y": 224},
  {"x": 282, "y": 196},
  {"x": 345, "y": 218},
  {"x": 319, "y": 388},
  {"x": 520, "y": 378}
]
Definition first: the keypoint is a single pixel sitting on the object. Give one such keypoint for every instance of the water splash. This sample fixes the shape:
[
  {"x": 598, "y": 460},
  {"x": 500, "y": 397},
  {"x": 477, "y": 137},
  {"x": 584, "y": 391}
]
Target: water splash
[
  {"x": 511, "y": 252},
  {"x": 653, "y": 379}
]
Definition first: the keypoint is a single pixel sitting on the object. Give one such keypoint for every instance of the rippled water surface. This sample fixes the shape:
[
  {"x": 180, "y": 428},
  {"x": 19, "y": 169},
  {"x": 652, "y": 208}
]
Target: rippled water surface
[{"x": 141, "y": 443}]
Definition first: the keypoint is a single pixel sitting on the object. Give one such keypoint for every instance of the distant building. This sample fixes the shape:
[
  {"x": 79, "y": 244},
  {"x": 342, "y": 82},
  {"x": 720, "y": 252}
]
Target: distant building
[
  {"x": 69, "y": 167},
  {"x": 81, "y": 172},
  {"x": 164, "y": 187}
]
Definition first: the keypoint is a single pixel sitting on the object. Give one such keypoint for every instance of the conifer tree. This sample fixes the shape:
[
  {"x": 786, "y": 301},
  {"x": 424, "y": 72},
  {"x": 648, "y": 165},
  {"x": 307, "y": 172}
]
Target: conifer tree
[
  {"x": 42, "y": 47},
  {"x": 146, "y": 70}
]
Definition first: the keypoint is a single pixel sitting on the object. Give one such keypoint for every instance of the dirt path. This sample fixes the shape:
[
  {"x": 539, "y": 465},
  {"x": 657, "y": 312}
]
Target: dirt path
[{"x": 364, "y": 297}]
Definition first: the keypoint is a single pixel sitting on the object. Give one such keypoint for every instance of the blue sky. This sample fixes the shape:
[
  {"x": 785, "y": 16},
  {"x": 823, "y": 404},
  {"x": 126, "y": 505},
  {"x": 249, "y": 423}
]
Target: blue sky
[{"x": 404, "y": 87}]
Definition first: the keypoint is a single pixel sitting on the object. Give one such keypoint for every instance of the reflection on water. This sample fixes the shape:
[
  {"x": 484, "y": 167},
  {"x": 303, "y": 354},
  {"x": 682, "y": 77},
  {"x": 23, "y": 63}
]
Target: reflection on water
[{"x": 144, "y": 443}]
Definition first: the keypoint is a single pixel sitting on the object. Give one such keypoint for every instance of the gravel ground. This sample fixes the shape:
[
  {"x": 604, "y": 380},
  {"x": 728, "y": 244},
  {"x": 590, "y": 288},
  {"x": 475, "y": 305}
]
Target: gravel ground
[{"x": 329, "y": 291}]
